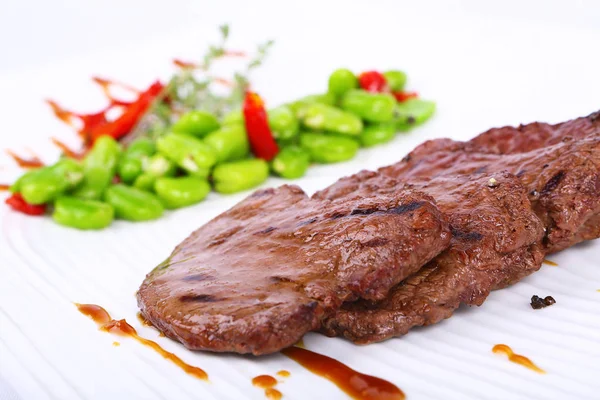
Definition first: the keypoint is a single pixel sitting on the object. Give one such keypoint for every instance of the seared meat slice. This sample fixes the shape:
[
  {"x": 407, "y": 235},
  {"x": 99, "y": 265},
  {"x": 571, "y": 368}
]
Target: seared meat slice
[
  {"x": 494, "y": 244},
  {"x": 562, "y": 180},
  {"x": 524, "y": 138},
  {"x": 259, "y": 276}
]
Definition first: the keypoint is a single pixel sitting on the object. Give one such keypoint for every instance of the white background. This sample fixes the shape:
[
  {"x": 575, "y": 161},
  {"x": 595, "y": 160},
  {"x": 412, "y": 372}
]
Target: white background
[{"x": 485, "y": 63}]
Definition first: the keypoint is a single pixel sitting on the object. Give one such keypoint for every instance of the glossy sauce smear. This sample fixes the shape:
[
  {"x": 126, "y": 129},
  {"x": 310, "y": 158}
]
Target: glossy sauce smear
[
  {"x": 122, "y": 328},
  {"x": 268, "y": 383},
  {"x": 517, "y": 358},
  {"x": 356, "y": 385}
]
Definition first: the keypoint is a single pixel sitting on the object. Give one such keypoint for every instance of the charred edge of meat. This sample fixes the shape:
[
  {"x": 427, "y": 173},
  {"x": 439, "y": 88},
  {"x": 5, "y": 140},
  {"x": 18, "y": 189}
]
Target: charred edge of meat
[
  {"x": 468, "y": 236},
  {"x": 199, "y": 298},
  {"x": 553, "y": 182},
  {"x": 593, "y": 117},
  {"x": 282, "y": 279},
  {"x": 537, "y": 302},
  {"x": 406, "y": 158}
]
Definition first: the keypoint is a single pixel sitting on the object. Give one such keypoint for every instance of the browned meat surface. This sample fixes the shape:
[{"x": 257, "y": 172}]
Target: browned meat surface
[
  {"x": 259, "y": 276},
  {"x": 562, "y": 180},
  {"x": 494, "y": 244},
  {"x": 524, "y": 138}
]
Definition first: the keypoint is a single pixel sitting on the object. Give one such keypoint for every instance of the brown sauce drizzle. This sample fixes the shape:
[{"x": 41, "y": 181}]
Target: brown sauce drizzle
[
  {"x": 283, "y": 373},
  {"x": 268, "y": 383},
  {"x": 356, "y": 385},
  {"x": 120, "y": 327},
  {"x": 145, "y": 322},
  {"x": 552, "y": 263},
  {"x": 517, "y": 358}
]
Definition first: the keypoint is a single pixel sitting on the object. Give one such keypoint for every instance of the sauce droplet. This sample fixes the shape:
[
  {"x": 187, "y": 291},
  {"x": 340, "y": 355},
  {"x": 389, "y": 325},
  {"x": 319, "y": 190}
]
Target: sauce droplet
[
  {"x": 283, "y": 373},
  {"x": 356, "y": 385},
  {"x": 552, "y": 263},
  {"x": 116, "y": 344},
  {"x": 517, "y": 358},
  {"x": 264, "y": 381},
  {"x": 273, "y": 394},
  {"x": 120, "y": 327}
]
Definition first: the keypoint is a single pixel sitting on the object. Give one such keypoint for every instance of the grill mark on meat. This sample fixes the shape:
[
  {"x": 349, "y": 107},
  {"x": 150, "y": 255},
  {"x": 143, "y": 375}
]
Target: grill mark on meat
[
  {"x": 521, "y": 173},
  {"x": 553, "y": 182},
  {"x": 307, "y": 222},
  {"x": 480, "y": 170},
  {"x": 265, "y": 231},
  {"x": 376, "y": 242},
  {"x": 199, "y": 298},
  {"x": 467, "y": 236},
  {"x": 197, "y": 277},
  {"x": 283, "y": 279},
  {"x": 401, "y": 209}
]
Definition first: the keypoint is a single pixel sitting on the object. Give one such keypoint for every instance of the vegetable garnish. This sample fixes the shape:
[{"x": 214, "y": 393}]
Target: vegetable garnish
[
  {"x": 257, "y": 127},
  {"x": 33, "y": 162},
  {"x": 17, "y": 203},
  {"x": 174, "y": 142}
]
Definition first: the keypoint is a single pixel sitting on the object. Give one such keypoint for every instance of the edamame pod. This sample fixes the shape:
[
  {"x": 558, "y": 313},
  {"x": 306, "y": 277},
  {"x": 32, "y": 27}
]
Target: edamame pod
[
  {"x": 298, "y": 107},
  {"x": 376, "y": 134},
  {"x": 395, "y": 80},
  {"x": 229, "y": 143},
  {"x": 82, "y": 214},
  {"x": 182, "y": 191},
  {"x": 291, "y": 162},
  {"x": 159, "y": 165},
  {"x": 341, "y": 80},
  {"x": 413, "y": 112},
  {"x": 190, "y": 153},
  {"x": 99, "y": 168},
  {"x": 331, "y": 119},
  {"x": 325, "y": 148},
  {"x": 133, "y": 204},
  {"x": 45, "y": 184},
  {"x": 145, "y": 182},
  {"x": 240, "y": 175},
  {"x": 196, "y": 123},
  {"x": 283, "y": 122},
  {"x": 372, "y": 107},
  {"x": 233, "y": 117},
  {"x": 131, "y": 163}
]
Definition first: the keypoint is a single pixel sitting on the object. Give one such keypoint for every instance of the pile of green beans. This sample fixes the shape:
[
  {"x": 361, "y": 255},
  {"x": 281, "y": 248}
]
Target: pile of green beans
[{"x": 201, "y": 152}]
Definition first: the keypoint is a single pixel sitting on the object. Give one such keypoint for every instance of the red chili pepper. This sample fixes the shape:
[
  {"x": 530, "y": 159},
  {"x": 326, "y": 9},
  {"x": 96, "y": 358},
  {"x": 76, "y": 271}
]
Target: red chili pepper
[
  {"x": 403, "y": 96},
  {"x": 17, "y": 203},
  {"x": 125, "y": 123},
  {"x": 373, "y": 81},
  {"x": 257, "y": 125}
]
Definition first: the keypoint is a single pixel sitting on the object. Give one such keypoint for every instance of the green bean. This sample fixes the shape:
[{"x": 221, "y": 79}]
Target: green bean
[
  {"x": 133, "y": 204},
  {"x": 341, "y": 80},
  {"x": 131, "y": 163},
  {"x": 240, "y": 175},
  {"x": 229, "y": 143},
  {"x": 413, "y": 112},
  {"x": 325, "y": 148},
  {"x": 299, "y": 106},
  {"x": 372, "y": 107},
  {"x": 331, "y": 119},
  {"x": 182, "y": 191},
  {"x": 233, "y": 117},
  {"x": 145, "y": 182},
  {"x": 376, "y": 134},
  {"x": 283, "y": 122},
  {"x": 191, "y": 154},
  {"x": 196, "y": 123},
  {"x": 82, "y": 214},
  {"x": 45, "y": 184},
  {"x": 99, "y": 167},
  {"x": 291, "y": 162},
  {"x": 395, "y": 80}
]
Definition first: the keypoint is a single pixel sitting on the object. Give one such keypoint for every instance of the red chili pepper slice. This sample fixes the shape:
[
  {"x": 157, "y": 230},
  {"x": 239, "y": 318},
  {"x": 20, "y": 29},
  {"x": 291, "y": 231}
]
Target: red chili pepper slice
[
  {"x": 17, "y": 203},
  {"x": 257, "y": 126},
  {"x": 403, "y": 96},
  {"x": 125, "y": 123},
  {"x": 373, "y": 81}
]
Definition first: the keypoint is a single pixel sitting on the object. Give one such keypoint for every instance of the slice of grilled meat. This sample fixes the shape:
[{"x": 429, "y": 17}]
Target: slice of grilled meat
[
  {"x": 256, "y": 278},
  {"x": 495, "y": 243}
]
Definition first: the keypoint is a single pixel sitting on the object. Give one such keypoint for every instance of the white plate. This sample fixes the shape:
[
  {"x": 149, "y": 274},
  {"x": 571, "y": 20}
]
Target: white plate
[{"x": 484, "y": 65}]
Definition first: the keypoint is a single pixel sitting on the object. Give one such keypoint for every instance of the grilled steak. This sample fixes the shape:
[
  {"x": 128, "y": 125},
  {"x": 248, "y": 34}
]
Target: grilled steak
[
  {"x": 494, "y": 244},
  {"x": 524, "y": 138},
  {"x": 563, "y": 180},
  {"x": 259, "y": 276}
]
